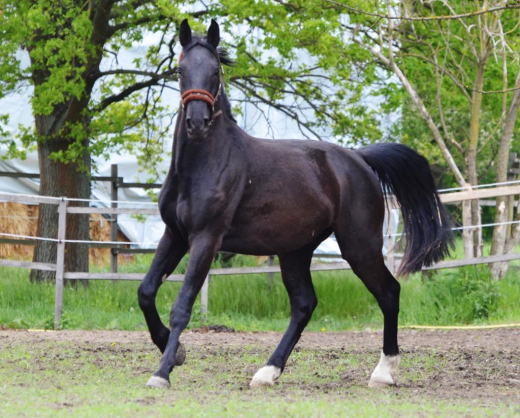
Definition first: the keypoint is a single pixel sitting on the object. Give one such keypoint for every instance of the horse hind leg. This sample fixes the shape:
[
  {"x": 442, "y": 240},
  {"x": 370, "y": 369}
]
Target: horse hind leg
[{"x": 363, "y": 251}]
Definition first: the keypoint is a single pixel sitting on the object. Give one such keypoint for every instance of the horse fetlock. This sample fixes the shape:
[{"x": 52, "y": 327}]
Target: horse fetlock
[
  {"x": 161, "y": 338},
  {"x": 382, "y": 375},
  {"x": 180, "y": 356},
  {"x": 265, "y": 376}
]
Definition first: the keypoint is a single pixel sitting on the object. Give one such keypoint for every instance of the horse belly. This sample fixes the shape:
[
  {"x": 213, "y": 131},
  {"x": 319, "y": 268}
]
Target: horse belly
[{"x": 275, "y": 229}]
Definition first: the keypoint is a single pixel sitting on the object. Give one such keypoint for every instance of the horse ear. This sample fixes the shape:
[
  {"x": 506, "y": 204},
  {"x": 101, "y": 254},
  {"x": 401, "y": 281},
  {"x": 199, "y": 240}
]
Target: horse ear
[
  {"x": 185, "y": 33},
  {"x": 213, "y": 36}
]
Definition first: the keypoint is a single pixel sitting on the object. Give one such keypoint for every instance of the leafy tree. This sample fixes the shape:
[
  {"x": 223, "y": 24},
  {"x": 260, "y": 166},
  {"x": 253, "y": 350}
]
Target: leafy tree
[
  {"x": 458, "y": 64},
  {"x": 87, "y": 105}
]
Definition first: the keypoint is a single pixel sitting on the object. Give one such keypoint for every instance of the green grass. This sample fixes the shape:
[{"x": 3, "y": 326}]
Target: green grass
[
  {"x": 89, "y": 379},
  {"x": 253, "y": 302}
]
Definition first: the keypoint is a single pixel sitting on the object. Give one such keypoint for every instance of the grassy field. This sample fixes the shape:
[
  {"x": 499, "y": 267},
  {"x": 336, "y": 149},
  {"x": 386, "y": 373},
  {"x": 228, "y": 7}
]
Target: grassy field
[
  {"x": 89, "y": 376},
  {"x": 446, "y": 375},
  {"x": 253, "y": 302}
]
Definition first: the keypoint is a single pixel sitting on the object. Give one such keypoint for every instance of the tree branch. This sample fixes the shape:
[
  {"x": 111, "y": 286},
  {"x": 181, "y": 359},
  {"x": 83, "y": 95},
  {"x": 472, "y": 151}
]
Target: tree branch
[
  {"x": 168, "y": 75},
  {"x": 464, "y": 89},
  {"x": 281, "y": 108},
  {"x": 425, "y": 114},
  {"x": 147, "y": 19},
  {"x": 127, "y": 92},
  {"x": 427, "y": 18}
]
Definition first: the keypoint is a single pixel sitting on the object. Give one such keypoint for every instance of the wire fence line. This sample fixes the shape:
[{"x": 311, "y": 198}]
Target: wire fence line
[
  {"x": 75, "y": 241},
  {"x": 64, "y": 209},
  {"x": 130, "y": 202},
  {"x": 480, "y": 186}
]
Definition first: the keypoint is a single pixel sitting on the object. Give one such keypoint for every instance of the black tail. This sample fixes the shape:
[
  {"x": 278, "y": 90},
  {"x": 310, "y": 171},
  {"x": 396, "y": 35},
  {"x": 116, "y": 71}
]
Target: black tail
[{"x": 427, "y": 226}]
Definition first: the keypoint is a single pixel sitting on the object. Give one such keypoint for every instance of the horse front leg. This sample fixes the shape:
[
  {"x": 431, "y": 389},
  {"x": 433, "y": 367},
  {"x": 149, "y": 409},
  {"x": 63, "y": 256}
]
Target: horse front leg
[
  {"x": 202, "y": 253},
  {"x": 170, "y": 251},
  {"x": 297, "y": 279}
]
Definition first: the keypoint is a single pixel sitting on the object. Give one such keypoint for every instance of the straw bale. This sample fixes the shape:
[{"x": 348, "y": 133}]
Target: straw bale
[
  {"x": 17, "y": 219},
  {"x": 20, "y": 219}
]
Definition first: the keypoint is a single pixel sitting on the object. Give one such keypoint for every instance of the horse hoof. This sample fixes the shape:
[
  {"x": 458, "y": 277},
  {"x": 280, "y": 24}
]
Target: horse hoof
[
  {"x": 180, "y": 357},
  {"x": 379, "y": 384},
  {"x": 382, "y": 375},
  {"x": 265, "y": 376},
  {"x": 157, "y": 382}
]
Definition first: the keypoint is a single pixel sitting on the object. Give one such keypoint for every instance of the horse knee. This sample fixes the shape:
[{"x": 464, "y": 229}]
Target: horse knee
[
  {"x": 394, "y": 287},
  {"x": 180, "y": 316},
  {"x": 145, "y": 296}
]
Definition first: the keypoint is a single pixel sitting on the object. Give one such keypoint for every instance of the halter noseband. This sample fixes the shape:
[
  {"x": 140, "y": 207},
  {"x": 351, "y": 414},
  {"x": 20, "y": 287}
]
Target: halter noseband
[{"x": 199, "y": 94}]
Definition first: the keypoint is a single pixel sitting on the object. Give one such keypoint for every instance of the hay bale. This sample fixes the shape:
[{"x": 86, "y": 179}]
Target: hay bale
[
  {"x": 20, "y": 219},
  {"x": 100, "y": 231},
  {"x": 17, "y": 219}
]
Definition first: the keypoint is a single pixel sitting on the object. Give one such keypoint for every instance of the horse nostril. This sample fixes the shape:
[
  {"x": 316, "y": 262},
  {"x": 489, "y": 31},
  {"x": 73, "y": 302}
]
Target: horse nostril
[
  {"x": 206, "y": 122},
  {"x": 188, "y": 124}
]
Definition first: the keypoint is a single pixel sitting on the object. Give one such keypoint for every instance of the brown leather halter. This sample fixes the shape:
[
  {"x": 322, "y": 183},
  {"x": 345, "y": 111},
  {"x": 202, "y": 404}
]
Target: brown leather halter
[
  {"x": 205, "y": 96},
  {"x": 199, "y": 94}
]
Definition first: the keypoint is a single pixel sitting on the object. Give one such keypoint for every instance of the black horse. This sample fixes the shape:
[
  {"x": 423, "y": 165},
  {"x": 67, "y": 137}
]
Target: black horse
[{"x": 228, "y": 191}]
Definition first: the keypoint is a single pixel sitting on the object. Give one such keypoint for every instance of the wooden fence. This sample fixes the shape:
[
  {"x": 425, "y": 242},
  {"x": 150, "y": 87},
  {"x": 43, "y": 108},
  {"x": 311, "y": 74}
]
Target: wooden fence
[
  {"x": 116, "y": 183},
  {"x": 64, "y": 209}
]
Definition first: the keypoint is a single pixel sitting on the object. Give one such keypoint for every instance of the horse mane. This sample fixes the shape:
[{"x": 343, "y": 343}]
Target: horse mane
[
  {"x": 226, "y": 105},
  {"x": 220, "y": 52},
  {"x": 223, "y": 55}
]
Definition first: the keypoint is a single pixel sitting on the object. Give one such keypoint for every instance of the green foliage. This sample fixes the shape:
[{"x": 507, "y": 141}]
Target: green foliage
[
  {"x": 440, "y": 59},
  {"x": 469, "y": 294},
  {"x": 102, "y": 112},
  {"x": 328, "y": 80}
]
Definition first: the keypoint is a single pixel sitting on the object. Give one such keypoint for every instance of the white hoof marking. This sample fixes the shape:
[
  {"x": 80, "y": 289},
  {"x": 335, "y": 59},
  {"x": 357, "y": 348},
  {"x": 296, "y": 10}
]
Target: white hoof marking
[
  {"x": 382, "y": 375},
  {"x": 157, "y": 382},
  {"x": 265, "y": 376}
]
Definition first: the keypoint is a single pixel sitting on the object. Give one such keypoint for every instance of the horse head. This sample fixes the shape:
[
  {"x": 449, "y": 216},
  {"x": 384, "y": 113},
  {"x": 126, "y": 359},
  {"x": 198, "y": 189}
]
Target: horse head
[{"x": 199, "y": 78}]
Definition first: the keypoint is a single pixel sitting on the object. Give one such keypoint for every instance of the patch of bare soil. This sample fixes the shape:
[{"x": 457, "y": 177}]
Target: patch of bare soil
[
  {"x": 471, "y": 364},
  {"x": 507, "y": 339}
]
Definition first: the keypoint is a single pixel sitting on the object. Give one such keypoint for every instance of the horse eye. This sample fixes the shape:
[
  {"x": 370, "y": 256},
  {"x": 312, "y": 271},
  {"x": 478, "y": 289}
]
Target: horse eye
[{"x": 216, "y": 73}]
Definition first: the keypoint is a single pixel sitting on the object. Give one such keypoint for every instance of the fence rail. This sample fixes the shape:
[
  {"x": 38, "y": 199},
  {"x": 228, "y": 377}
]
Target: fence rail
[
  {"x": 64, "y": 209},
  {"x": 116, "y": 183}
]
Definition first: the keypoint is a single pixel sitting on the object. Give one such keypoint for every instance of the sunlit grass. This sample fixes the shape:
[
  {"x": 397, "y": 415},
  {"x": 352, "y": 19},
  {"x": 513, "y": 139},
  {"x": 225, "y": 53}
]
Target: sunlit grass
[{"x": 255, "y": 302}]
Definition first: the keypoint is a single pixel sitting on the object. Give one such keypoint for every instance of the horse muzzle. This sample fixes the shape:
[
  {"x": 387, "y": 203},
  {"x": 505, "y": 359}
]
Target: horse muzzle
[{"x": 197, "y": 120}]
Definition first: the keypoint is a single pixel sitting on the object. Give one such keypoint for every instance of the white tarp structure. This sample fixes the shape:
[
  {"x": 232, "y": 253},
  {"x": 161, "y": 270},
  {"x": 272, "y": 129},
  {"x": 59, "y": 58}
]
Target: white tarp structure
[{"x": 145, "y": 234}]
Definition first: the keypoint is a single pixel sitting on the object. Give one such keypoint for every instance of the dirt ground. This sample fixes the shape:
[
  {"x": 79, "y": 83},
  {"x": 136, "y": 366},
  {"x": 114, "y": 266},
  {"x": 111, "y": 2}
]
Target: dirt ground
[
  {"x": 502, "y": 340},
  {"x": 482, "y": 364}
]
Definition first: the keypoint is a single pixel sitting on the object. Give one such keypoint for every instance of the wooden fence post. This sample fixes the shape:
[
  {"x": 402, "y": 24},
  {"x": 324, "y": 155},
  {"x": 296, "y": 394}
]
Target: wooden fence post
[
  {"x": 204, "y": 297},
  {"x": 467, "y": 233},
  {"x": 60, "y": 260},
  {"x": 113, "y": 218}
]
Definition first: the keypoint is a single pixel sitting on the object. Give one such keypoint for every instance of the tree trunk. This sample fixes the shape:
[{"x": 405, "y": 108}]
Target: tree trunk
[
  {"x": 502, "y": 212},
  {"x": 64, "y": 128},
  {"x": 67, "y": 180},
  {"x": 474, "y": 134}
]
